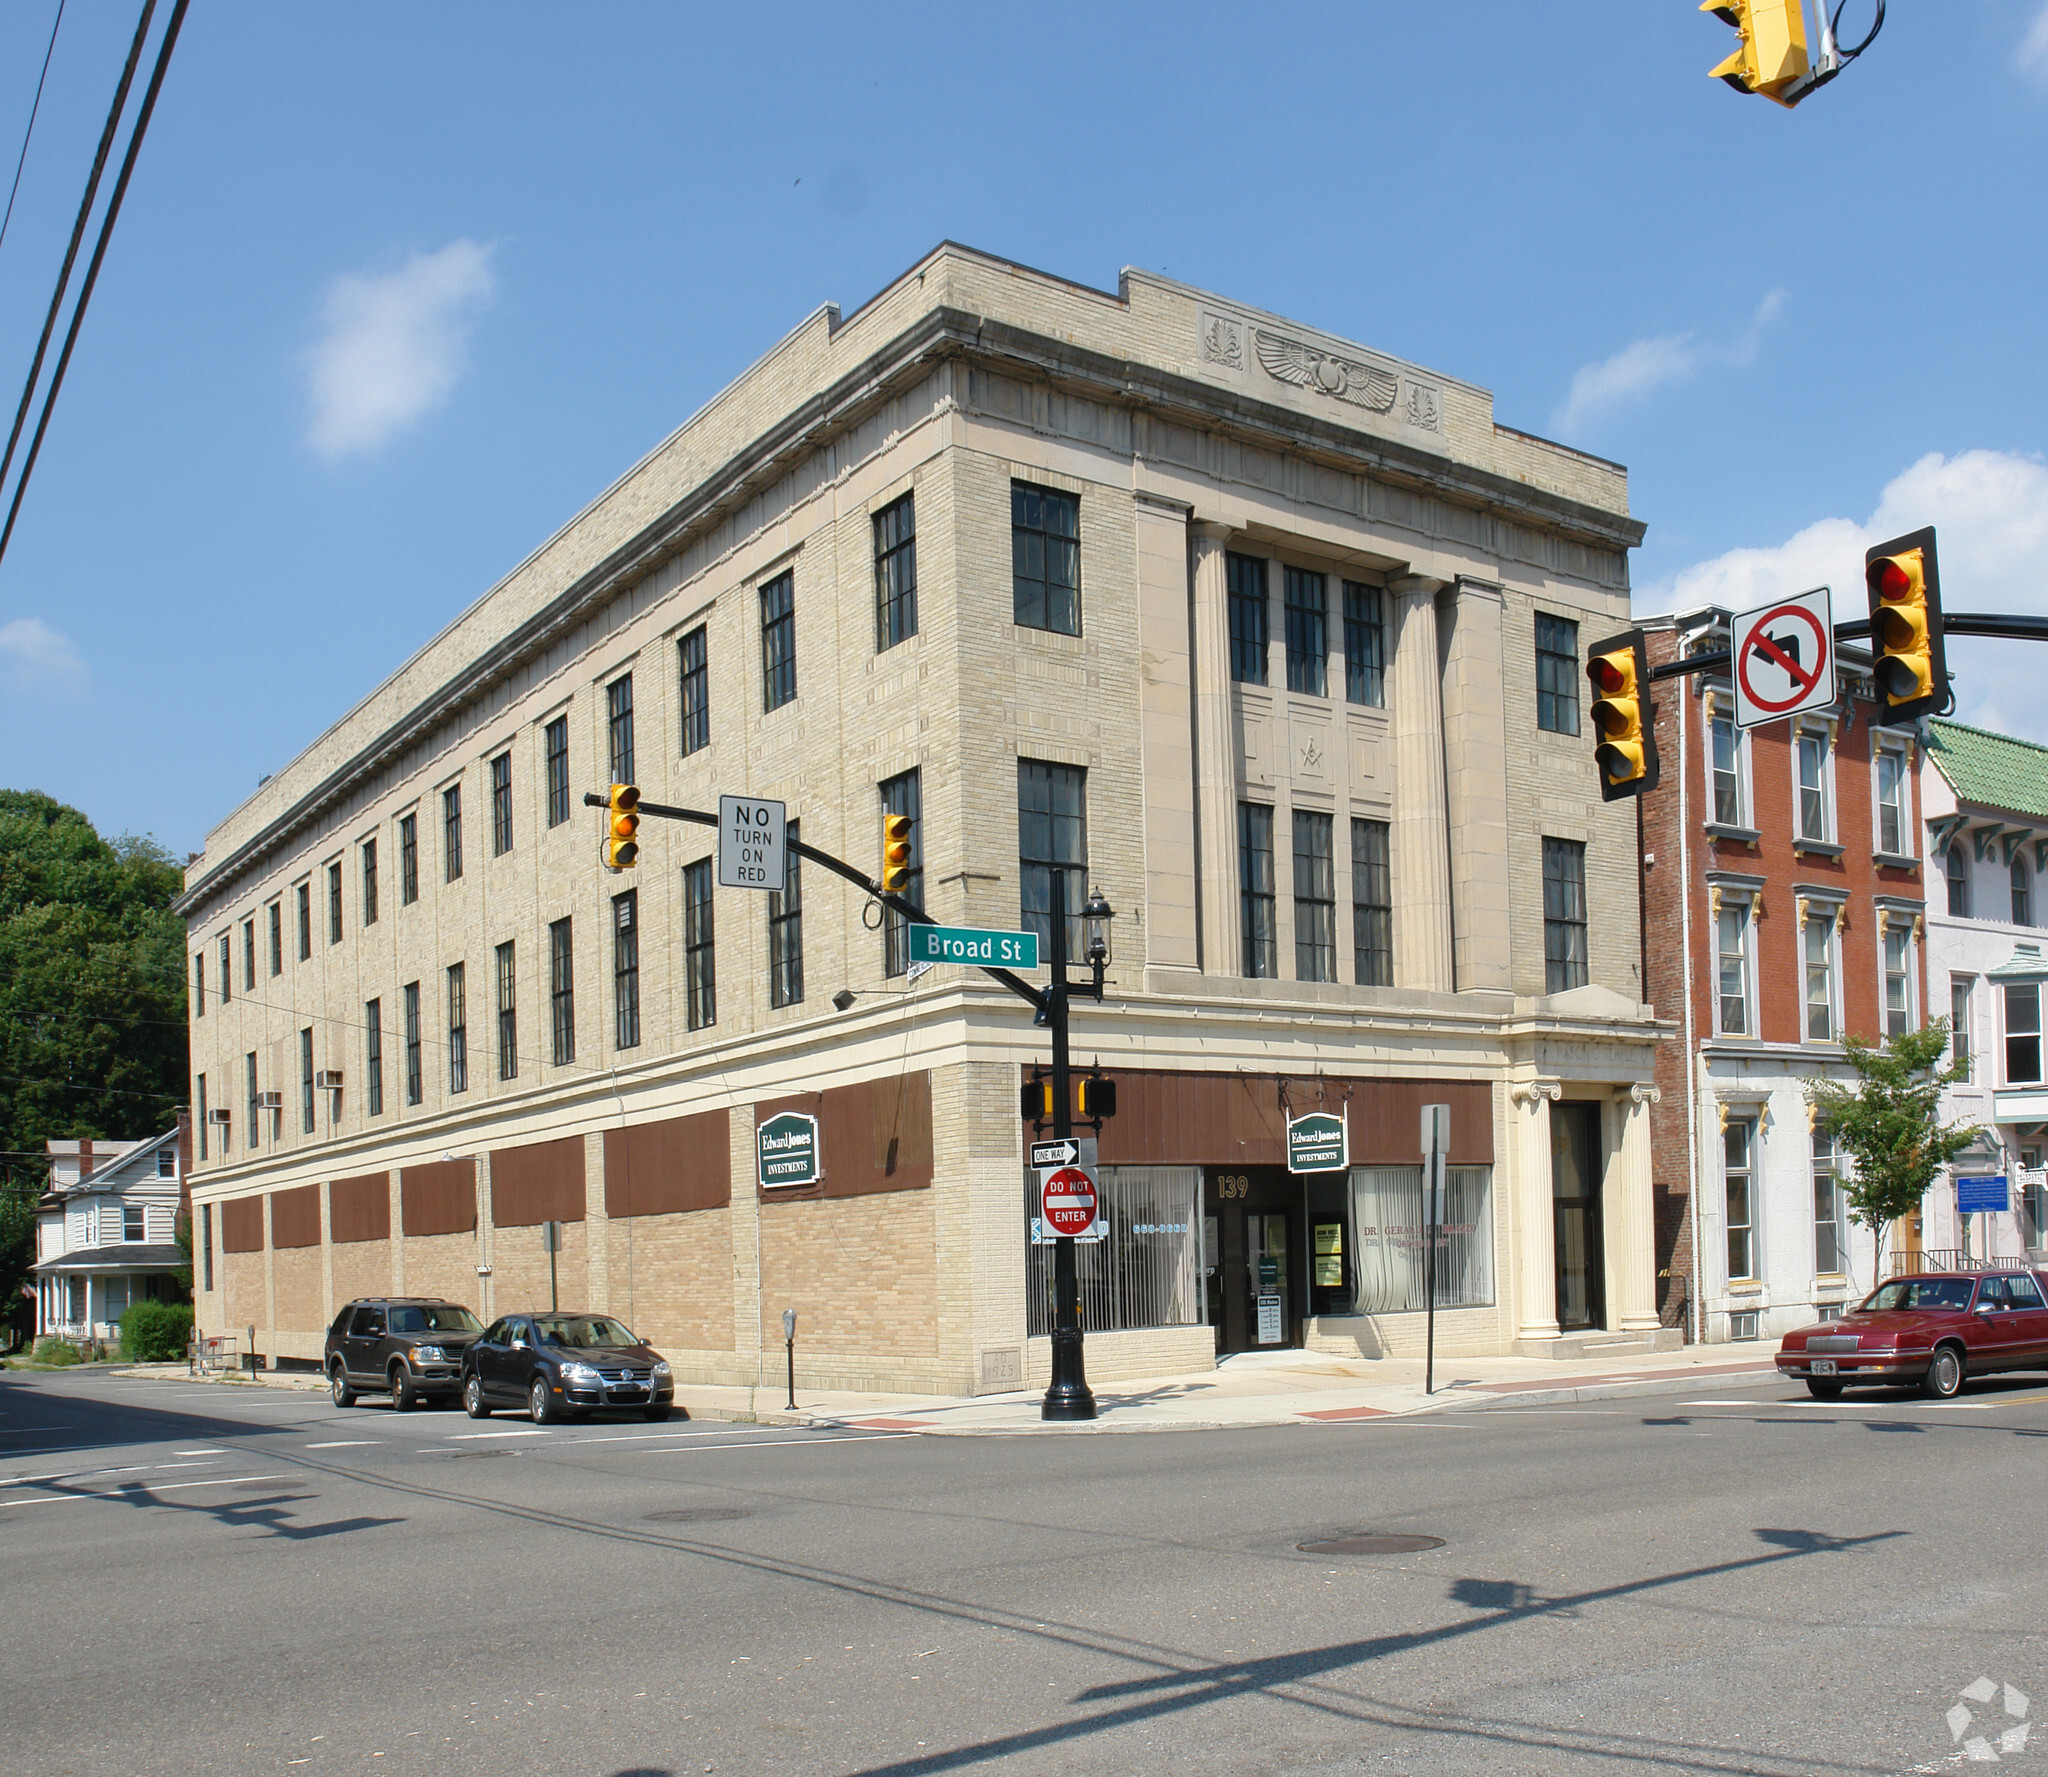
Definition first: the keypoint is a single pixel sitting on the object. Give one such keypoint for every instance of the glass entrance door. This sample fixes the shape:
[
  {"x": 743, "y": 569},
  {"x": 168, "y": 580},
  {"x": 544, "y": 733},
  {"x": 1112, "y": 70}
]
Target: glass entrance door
[
  {"x": 1266, "y": 1248},
  {"x": 1258, "y": 1289},
  {"x": 1575, "y": 1214}
]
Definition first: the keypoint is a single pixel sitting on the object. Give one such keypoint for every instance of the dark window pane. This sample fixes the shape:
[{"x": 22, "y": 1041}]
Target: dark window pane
[
  {"x": 1365, "y": 645},
  {"x": 508, "y": 1012},
  {"x": 618, "y": 698},
  {"x": 778, "y": 641},
  {"x": 1315, "y": 898},
  {"x": 696, "y": 678},
  {"x": 1255, "y": 890},
  {"x": 1052, "y": 829},
  {"x": 501, "y": 805},
  {"x": 626, "y": 969},
  {"x": 558, "y": 770},
  {"x": 1246, "y": 575},
  {"x": 895, "y": 573},
  {"x": 1564, "y": 915},
  {"x": 786, "y": 931},
  {"x": 699, "y": 957},
  {"x": 562, "y": 991},
  {"x": 1557, "y": 674},
  {"x": 1372, "y": 905},
  {"x": 1308, "y": 632},
  {"x": 1045, "y": 558}
]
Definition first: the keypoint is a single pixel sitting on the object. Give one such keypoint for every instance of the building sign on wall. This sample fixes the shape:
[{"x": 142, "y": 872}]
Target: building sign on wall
[
  {"x": 1317, "y": 1142},
  {"x": 1980, "y": 1196},
  {"x": 789, "y": 1151}
]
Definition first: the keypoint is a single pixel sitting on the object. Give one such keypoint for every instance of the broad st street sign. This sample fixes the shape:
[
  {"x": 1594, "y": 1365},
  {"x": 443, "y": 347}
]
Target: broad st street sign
[{"x": 969, "y": 944}]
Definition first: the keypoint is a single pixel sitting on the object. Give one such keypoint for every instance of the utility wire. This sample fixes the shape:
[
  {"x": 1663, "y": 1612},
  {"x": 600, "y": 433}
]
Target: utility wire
[
  {"x": 21, "y": 160},
  {"x": 99, "y": 253}
]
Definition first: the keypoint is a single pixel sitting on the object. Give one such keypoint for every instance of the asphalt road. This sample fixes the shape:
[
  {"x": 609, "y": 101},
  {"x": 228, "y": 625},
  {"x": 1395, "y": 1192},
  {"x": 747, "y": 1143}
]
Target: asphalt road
[{"x": 200, "y": 1579}]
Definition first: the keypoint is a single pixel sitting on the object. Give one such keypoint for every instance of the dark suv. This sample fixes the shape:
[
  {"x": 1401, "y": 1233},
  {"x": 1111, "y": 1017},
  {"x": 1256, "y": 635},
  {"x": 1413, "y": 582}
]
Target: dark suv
[{"x": 409, "y": 1347}]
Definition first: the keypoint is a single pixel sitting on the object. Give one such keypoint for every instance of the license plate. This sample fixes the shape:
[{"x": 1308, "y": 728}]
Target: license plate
[{"x": 1823, "y": 1366}]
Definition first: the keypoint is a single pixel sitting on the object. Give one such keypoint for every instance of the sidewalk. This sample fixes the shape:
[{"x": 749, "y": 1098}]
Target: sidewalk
[{"x": 1251, "y": 1388}]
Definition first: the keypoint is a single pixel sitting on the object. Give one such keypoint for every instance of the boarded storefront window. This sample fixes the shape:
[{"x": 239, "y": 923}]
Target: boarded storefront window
[
  {"x": 1388, "y": 1239},
  {"x": 1146, "y": 1272}
]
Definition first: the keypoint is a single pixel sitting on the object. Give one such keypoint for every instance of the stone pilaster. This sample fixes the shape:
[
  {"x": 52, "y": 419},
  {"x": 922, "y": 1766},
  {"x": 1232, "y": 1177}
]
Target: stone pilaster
[
  {"x": 1166, "y": 735},
  {"x": 1421, "y": 838},
  {"x": 1215, "y": 751},
  {"x": 1475, "y": 784},
  {"x": 1536, "y": 1252},
  {"x": 1631, "y": 1213}
]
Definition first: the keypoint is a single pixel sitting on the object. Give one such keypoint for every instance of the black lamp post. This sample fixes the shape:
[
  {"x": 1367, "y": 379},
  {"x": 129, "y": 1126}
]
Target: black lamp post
[{"x": 1069, "y": 1396}]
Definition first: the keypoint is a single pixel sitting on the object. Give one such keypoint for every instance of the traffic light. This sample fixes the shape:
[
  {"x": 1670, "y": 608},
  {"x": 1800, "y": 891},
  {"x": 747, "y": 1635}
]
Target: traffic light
[
  {"x": 1094, "y": 1098},
  {"x": 1905, "y": 626},
  {"x": 1623, "y": 716},
  {"x": 895, "y": 853},
  {"x": 1037, "y": 1100},
  {"x": 621, "y": 849},
  {"x": 1772, "y": 54}
]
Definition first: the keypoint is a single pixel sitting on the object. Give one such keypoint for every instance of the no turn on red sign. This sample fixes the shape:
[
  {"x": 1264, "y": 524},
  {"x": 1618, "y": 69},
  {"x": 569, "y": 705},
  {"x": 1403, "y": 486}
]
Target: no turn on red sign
[
  {"x": 1068, "y": 1201},
  {"x": 1784, "y": 658}
]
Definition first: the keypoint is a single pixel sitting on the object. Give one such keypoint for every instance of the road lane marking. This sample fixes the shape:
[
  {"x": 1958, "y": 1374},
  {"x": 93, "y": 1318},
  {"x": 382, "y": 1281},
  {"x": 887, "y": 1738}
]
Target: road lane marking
[
  {"x": 866, "y": 1437},
  {"x": 87, "y": 1474},
  {"x": 129, "y": 1489},
  {"x": 470, "y": 1437},
  {"x": 346, "y": 1444}
]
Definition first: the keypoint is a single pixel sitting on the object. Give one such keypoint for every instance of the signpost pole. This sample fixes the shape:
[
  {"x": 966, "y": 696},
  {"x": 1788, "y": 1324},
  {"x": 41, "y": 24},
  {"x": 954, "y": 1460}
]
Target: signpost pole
[
  {"x": 553, "y": 1233},
  {"x": 1436, "y": 1141},
  {"x": 1068, "y": 1396}
]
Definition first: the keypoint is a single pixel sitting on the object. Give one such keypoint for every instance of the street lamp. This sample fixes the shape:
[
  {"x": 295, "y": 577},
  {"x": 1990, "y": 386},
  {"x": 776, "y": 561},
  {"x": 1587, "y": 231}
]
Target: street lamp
[{"x": 1068, "y": 1396}]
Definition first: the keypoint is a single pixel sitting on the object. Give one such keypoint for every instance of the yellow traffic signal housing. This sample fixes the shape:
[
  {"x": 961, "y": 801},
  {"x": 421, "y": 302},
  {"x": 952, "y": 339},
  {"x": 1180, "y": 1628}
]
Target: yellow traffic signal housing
[
  {"x": 1037, "y": 1100},
  {"x": 621, "y": 824},
  {"x": 895, "y": 853},
  {"x": 1772, "y": 54},
  {"x": 1910, "y": 660},
  {"x": 1623, "y": 717},
  {"x": 1094, "y": 1098}
]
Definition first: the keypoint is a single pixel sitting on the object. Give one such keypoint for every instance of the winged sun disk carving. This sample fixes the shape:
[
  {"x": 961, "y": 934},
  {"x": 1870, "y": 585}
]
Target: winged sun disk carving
[{"x": 1294, "y": 361}]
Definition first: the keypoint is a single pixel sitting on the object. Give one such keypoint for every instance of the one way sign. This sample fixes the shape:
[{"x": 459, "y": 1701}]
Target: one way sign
[{"x": 1784, "y": 659}]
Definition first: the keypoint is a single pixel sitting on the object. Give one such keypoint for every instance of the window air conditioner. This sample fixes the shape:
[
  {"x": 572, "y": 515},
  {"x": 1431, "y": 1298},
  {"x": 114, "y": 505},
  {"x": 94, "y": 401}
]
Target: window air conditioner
[
  {"x": 327, "y": 1079},
  {"x": 270, "y": 1101},
  {"x": 221, "y": 1117}
]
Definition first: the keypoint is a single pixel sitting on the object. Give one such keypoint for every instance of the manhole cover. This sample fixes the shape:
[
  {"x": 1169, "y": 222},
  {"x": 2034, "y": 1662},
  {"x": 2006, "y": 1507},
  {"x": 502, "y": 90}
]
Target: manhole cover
[
  {"x": 698, "y": 1515},
  {"x": 1372, "y": 1545}
]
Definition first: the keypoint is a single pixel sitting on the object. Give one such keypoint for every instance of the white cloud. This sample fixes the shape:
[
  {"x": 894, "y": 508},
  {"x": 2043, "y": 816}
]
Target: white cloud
[
  {"x": 394, "y": 344},
  {"x": 33, "y": 656},
  {"x": 1990, "y": 510},
  {"x": 1650, "y": 364},
  {"x": 2031, "y": 58}
]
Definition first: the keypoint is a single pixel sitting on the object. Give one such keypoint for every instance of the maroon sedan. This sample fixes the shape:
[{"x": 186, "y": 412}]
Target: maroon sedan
[{"x": 1934, "y": 1329}]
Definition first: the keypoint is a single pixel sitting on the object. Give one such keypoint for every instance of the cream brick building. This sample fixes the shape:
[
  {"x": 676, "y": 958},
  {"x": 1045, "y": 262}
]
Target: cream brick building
[{"x": 1022, "y": 539}]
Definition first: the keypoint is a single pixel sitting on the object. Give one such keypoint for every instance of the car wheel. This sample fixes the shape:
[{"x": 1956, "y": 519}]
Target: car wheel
[
  {"x": 1944, "y": 1373},
  {"x": 540, "y": 1404},
  {"x": 404, "y": 1397},
  {"x": 337, "y": 1385},
  {"x": 1824, "y": 1391},
  {"x": 657, "y": 1414},
  {"x": 473, "y": 1402}
]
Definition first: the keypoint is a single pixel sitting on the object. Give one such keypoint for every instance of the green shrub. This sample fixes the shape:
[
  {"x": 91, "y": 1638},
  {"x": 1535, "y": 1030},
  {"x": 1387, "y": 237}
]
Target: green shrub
[
  {"x": 155, "y": 1332},
  {"x": 55, "y": 1351}
]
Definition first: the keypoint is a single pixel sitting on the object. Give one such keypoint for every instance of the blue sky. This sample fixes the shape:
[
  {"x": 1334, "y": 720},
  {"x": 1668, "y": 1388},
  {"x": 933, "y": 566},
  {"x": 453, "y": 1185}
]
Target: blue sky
[{"x": 398, "y": 289}]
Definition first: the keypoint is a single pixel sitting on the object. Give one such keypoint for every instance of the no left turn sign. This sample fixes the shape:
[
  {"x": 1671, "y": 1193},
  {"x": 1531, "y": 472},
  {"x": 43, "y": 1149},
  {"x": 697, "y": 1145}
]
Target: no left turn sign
[{"x": 1784, "y": 658}]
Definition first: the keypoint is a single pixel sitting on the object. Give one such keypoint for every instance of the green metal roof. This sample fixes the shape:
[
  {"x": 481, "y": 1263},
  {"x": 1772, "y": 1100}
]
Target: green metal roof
[{"x": 1992, "y": 770}]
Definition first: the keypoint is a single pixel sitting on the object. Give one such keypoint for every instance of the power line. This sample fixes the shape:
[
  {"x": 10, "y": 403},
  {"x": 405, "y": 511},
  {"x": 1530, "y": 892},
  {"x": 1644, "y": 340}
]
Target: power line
[{"x": 21, "y": 160}]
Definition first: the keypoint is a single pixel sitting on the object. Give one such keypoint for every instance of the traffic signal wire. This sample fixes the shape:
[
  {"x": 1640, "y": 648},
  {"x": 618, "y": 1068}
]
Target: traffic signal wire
[{"x": 21, "y": 160}]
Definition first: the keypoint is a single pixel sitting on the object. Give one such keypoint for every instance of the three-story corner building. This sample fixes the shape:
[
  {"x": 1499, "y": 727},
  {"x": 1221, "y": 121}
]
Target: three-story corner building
[
  {"x": 1782, "y": 912},
  {"x": 1273, "y": 639}
]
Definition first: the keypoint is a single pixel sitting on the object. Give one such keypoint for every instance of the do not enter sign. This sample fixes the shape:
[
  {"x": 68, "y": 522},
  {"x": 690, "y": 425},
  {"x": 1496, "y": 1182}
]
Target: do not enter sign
[{"x": 1068, "y": 1201}]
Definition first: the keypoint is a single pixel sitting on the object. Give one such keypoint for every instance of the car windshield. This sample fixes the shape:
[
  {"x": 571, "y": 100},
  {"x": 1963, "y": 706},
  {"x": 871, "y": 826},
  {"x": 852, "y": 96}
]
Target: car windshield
[
  {"x": 583, "y": 1332},
  {"x": 441, "y": 1317},
  {"x": 1908, "y": 1293}
]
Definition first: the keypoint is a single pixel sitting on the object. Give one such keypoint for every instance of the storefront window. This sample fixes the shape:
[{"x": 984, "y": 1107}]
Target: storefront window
[
  {"x": 1389, "y": 1239},
  {"x": 1146, "y": 1271}
]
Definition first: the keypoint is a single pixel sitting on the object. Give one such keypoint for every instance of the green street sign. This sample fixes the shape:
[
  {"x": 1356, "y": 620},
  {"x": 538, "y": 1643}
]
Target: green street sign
[
  {"x": 788, "y": 1151},
  {"x": 966, "y": 944},
  {"x": 1316, "y": 1143}
]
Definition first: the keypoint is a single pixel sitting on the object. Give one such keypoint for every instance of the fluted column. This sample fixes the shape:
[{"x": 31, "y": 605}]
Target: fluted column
[
  {"x": 1632, "y": 1213},
  {"x": 1536, "y": 1250},
  {"x": 1215, "y": 752},
  {"x": 1421, "y": 836}
]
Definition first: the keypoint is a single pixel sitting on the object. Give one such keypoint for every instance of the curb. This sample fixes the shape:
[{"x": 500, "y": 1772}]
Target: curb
[{"x": 1603, "y": 1391}]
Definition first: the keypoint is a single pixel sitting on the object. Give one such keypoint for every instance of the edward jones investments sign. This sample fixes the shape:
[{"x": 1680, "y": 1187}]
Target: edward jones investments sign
[
  {"x": 1317, "y": 1143},
  {"x": 788, "y": 1151}
]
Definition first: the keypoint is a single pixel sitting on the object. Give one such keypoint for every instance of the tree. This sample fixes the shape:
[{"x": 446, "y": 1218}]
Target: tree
[{"x": 1889, "y": 1124}]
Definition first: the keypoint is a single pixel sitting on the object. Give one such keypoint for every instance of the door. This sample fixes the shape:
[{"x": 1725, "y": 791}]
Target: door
[
  {"x": 1259, "y": 1286},
  {"x": 2030, "y": 1310},
  {"x": 1991, "y": 1329},
  {"x": 359, "y": 1349},
  {"x": 1575, "y": 1215}
]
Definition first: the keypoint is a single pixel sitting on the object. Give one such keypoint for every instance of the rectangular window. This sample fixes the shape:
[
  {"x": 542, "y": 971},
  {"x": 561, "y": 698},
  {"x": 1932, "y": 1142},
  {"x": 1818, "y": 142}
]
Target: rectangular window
[
  {"x": 1389, "y": 1245},
  {"x": 408, "y": 859},
  {"x": 1731, "y": 939},
  {"x": 1564, "y": 915},
  {"x": 904, "y": 795},
  {"x": 305, "y": 899},
  {"x": 255, "y": 1098},
  {"x": 1813, "y": 787},
  {"x": 693, "y": 662},
  {"x": 1898, "y": 985},
  {"x": 206, "y": 1245},
  {"x": 306, "y": 1081},
  {"x": 373, "y": 1056},
  {"x": 1737, "y": 1172},
  {"x": 458, "y": 1030},
  {"x": 2022, "y": 892},
  {"x": 508, "y": 1011},
  {"x": 1820, "y": 974},
  {"x": 276, "y": 914},
  {"x": 786, "y": 933},
  {"x": 1146, "y": 1272},
  {"x": 1255, "y": 918},
  {"x": 1052, "y": 831},
  {"x": 1315, "y": 898},
  {"x": 451, "y": 832},
  {"x": 555, "y": 739},
  {"x": 700, "y": 972},
  {"x": 1958, "y": 881},
  {"x": 199, "y": 984},
  {"x": 1307, "y": 598},
  {"x": 227, "y": 968},
  {"x": 249, "y": 956},
  {"x": 1830, "y": 1241},
  {"x": 778, "y": 641},
  {"x": 1372, "y": 905},
  {"x": 334, "y": 902},
  {"x": 895, "y": 573},
  {"x": 199, "y": 1104},
  {"x": 618, "y": 704},
  {"x": 1959, "y": 1024},
  {"x": 626, "y": 966},
  {"x": 562, "y": 991},
  {"x": 1246, "y": 578},
  {"x": 132, "y": 1226},
  {"x": 501, "y": 805},
  {"x": 1045, "y": 558},
  {"x": 1365, "y": 645},
  {"x": 1557, "y": 674},
  {"x": 415, "y": 1079},
  {"x": 1726, "y": 746},
  {"x": 1891, "y": 801},
  {"x": 369, "y": 882}
]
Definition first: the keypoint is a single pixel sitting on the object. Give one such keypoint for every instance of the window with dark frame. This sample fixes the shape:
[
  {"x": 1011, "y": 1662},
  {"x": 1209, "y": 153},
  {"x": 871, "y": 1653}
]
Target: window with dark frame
[
  {"x": 415, "y": 1078},
  {"x": 1564, "y": 915},
  {"x": 618, "y": 705},
  {"x": 1365, "y": 645},
  {"x": 249, "y": 955},
  {"x": 693, "y": 661},
  {"x": 134, "y": 1224},
  {"x": 373, "y": 1057},
  {"x": 2022, "y": 892},
  {"x": 305, "y": 899},
  {"x": 1898, "y": 988},
  {"x": 1307, "y": 600},
  {"x": 1820, "y": 973},
  {"x": 508, "y": 1010},
  {"x": 458, "y": 1029},
  {"x": 451, "y": 832},
  {"x": 1958, "y": 881},
  {"x": 562, "y": 991},
  {"x": 255, "y": 1099},
  {"x": 1830, "y": 1241},
  {"x": 626, "y": 968},
  {"x": 369, "y": 882},
  {"x": 1959, "y": 1047},
  {"x": 1738, "y": 1144},
  {"x": 276, "y": 914},
  {"x": 895, "y": 573},
  {"x": 786, "y": 932},
  {"x": 334, "y": 902},
  {"x": 1891, "y": 801},
  {"x": 408, "y": 859},
  {"x": 1255, "y": 915},
  {"x": 1315, "y": 897},
  {"x": 227, "y": 969},
  {"x": 1045, "y": 559},
  {"x": 700, "y": 972},
  {"x": 1557, "y": 674},
  {"x": 1052, "y": 830},
  {"x": 306, "y": 1080},
  {"x": 1245, "y": 577},
  {"x": 904, "y": 794},
  {"x": 778, "y": 641},
  {"x": 1372, "y": 905},
  {"x": 501, "y": 804},
  {"x": 2022, "y": 1033},
  {"x": 1813, "y": 785},
  {"x": 199, "y": 1105},
  {"x": 199, "y": 984},
  {"x": 1725, "y": 765},
  {"x": 555, "y": 745}
]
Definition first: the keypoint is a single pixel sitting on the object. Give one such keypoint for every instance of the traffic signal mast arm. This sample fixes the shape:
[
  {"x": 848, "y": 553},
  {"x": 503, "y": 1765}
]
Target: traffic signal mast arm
[
  {"x": 839, "y": 867},
  {"x": 1955, "y": 623}
]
